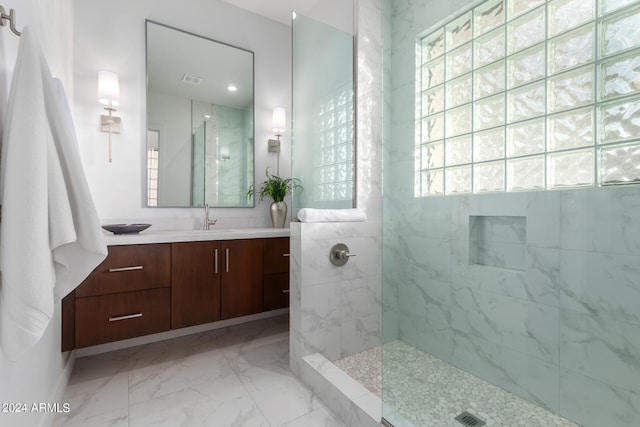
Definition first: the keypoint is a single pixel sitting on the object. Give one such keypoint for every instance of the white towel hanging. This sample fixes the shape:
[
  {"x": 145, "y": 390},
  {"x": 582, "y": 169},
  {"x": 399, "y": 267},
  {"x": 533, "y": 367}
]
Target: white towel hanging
[{"x": 50, "y": 236}]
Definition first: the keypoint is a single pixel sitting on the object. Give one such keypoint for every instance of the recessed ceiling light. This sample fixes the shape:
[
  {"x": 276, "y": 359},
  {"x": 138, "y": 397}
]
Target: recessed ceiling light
[{"x": 232, "y": 88}]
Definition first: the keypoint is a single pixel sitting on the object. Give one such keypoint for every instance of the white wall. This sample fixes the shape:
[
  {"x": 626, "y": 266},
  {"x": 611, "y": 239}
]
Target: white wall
[
  {"x": 41, "y": 375},
  {"x": 111, "y": 36}
]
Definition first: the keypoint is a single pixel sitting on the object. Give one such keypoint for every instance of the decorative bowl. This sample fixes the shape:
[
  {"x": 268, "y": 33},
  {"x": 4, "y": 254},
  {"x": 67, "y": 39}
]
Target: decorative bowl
[{"x": 126, "y": 228}]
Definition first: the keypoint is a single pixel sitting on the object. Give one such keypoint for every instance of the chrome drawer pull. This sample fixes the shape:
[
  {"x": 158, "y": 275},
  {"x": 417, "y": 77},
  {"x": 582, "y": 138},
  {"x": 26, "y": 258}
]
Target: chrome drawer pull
[
  {"x": 227, "y": 258},
  {"x": 286, "y": 255},
  {"x": 285, "y": 291},
  {"x": 215, "y": 262},
  {"x": 128, "y": 316},
  {"x": 115, "y": 270}
]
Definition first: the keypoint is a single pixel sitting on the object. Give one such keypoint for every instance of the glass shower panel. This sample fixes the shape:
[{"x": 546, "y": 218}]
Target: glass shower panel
[{"x": 323, "y": 117}]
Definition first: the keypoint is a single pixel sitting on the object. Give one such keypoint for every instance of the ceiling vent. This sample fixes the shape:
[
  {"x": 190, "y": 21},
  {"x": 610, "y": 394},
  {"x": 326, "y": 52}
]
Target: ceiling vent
[{"x": 192, "y": 80}]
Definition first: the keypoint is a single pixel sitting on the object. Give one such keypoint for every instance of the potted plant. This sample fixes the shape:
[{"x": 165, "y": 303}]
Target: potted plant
[{"x": 277, "y": 189}]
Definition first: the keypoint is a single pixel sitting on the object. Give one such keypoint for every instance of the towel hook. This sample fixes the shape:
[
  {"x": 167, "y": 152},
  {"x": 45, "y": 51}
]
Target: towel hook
[{"x": 11, "y": 17}]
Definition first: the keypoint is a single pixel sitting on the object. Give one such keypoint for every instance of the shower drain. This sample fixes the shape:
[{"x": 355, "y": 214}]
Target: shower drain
[{"x": 469, "y": 419}]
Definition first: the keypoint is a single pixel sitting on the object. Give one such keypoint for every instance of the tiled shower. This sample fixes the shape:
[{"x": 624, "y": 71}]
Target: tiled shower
[
  {"x": 515, "y": 306},
  {"x": 534, "y": 291}
]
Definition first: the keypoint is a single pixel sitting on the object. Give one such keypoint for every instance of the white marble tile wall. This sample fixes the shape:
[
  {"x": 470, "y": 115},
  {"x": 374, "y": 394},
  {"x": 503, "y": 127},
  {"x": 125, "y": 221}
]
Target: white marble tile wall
[
  {"x": 337, "y": 310},
  {"x": 562, "y": 332},
  {"x": 566, "y": 321}
]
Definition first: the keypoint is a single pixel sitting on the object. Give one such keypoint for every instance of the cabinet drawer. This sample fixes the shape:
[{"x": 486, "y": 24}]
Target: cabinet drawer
[
  {"x": 275, "y": 255},
  {"x": 116, "y": 317},
  {"x": 275, "y": 291},
  {"x": 129, "y": 268}
]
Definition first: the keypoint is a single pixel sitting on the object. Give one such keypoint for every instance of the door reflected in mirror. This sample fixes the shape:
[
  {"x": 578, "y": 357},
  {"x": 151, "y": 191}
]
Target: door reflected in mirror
[{"x": 200, "y": 133}]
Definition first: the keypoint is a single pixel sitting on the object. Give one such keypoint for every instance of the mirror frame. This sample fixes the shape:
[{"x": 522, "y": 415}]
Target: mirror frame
[{"x": 145, "y": 194}]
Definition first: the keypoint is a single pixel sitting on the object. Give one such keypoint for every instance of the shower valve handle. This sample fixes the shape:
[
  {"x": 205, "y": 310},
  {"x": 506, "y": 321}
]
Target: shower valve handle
[
  {"x": 340, "y": 254},
  {"x": 343, "y": 254}
]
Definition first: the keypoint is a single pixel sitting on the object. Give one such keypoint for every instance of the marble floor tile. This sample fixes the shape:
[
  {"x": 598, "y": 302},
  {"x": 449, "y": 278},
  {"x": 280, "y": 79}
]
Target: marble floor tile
[
  {"x": 279, "y": 394},
  {"x": 231, "y": 377},
  {"x": 156, "y": 380},
  {"x": 320, "y": 417},
  {"x": 223, "y": 403},
  {"x": 115, "y": 418},
  {"x": 256, "y": 353},
  {"x": 99, "y": 385}
]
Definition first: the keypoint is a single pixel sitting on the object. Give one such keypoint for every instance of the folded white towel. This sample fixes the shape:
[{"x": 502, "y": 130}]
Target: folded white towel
[
  {"x": 50, "y": 235},
  {"x": 331, "y": 215}
]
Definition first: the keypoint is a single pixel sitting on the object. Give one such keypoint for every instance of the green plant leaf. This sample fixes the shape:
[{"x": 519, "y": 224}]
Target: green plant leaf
[{"x": 275, "y": 187}]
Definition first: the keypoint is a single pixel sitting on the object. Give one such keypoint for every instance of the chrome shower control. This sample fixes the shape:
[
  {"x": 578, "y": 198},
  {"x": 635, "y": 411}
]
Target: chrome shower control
[{"x": 339, "y": 254}]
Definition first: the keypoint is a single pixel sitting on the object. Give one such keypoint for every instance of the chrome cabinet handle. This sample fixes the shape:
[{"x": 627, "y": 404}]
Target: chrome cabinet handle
[
  {"x": 227, "y": 258},
  {"x": 286, "y": 255},
  {"x": 116, "y": 270},
  {"x": 215, "y": 262},
  {"x": 128, "y": 316},
  {"x": 285, "y": 291}
]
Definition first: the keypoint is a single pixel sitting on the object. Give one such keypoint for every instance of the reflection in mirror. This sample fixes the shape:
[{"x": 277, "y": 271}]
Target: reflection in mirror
[
  {"x": 323, "y": 130},
  {"x": 199, "y": 120}
]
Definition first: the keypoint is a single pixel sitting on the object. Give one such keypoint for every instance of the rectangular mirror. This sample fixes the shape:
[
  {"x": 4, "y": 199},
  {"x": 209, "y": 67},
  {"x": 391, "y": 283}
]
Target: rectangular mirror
[{"x": 200, "y": 133}]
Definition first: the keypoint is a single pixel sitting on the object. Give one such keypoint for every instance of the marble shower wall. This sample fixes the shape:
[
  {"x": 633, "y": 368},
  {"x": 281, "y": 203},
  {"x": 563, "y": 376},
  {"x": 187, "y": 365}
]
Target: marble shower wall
[
  {"x": 560, "y": 327},
  {"x": 563, "y": 331},
  {"x": 338, "y": 307}
]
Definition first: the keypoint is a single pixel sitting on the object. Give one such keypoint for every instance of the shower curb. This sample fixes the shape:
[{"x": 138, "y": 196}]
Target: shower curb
[{"x": 349, "y": 400}]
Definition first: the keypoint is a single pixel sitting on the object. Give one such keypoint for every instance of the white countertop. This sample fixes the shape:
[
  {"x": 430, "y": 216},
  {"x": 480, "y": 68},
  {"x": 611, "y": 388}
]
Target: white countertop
[{"x": 168, "y": 236}]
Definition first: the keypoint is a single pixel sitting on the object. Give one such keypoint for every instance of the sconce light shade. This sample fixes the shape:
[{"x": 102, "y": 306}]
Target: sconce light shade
[
  {"x": 279, "y": 120},
  {"x": 108, "y": 88}
]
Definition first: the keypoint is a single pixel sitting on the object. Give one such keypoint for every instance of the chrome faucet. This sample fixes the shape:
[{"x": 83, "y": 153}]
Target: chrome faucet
[{"x": 207, "y": 221}]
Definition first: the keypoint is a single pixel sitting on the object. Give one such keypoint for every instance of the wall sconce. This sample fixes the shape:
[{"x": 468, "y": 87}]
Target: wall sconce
[
  {"x": 224, "y": 153},
  {"x": 109, "y": 95},
  {"x": 278, "y": 125}
]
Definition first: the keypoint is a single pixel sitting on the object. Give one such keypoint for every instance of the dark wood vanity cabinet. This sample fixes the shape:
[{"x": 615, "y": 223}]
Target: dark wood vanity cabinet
[
  {"x": 126, "y": 296},
  {"x": 143, "y": 289},
  {"x": 275, "y": 285}
]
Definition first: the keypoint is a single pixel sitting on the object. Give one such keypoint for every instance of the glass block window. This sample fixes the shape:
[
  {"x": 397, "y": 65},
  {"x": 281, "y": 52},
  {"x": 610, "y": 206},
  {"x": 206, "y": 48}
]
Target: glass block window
[
  {"x": 333, "y": 157},
  {"x": 528, "y": 95},
  {"x": 152, "y": 176},
  {"x": 153, "y": 143}
]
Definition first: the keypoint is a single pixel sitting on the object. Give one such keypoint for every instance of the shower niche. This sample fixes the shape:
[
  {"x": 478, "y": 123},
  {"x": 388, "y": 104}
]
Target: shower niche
[{"x": 498, "y": 241}]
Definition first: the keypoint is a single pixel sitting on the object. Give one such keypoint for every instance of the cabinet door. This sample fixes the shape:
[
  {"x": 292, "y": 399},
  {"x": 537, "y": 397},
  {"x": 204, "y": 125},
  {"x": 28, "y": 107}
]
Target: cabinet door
[
  {"x": 276, "y": 255},
  {"x": 241, "y": 281},
  {"x": 275, "y": 291},
  {"x": 195, "y": 283}
]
